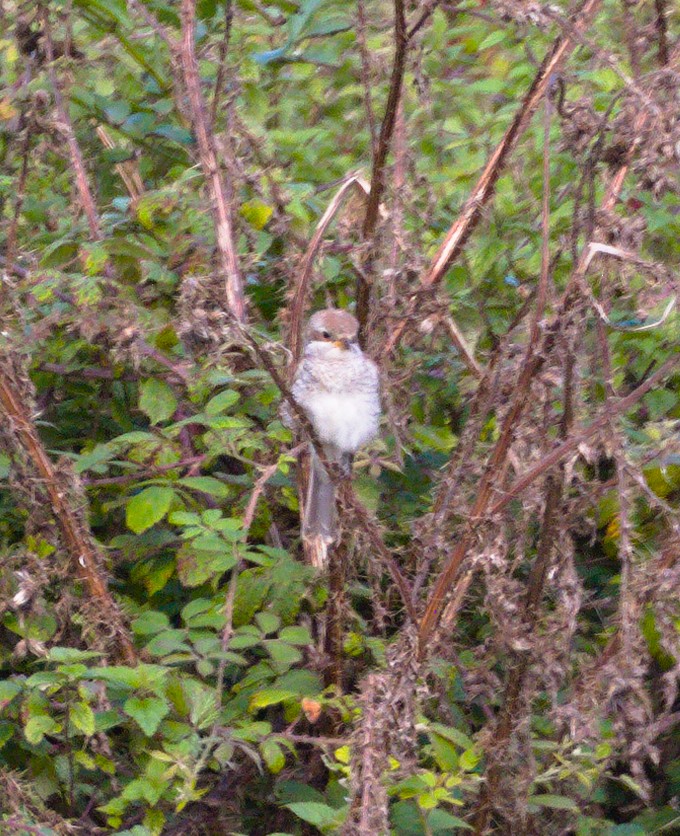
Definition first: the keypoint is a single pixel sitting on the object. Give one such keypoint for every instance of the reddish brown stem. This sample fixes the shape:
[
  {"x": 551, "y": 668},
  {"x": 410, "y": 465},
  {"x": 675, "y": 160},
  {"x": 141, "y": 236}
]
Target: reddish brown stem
[
  {"x": 220, "y": 203},
  {"x": 66, "y": 126},
  {"x": 380, "y": 157},
  {"x": 662, "y": 31}
]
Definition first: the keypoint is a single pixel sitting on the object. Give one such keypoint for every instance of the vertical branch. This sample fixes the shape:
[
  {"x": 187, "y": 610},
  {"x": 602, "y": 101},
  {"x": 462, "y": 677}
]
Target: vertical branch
[
  {"x": 512, "y": 698},
  {"x": 220, "y": 203},
  {"x": 10, "y": 252},
  {"x": 380, "y": 159},
  {"x": 366, "y": 72},
  {"x": 82, "y": 184},
  {"x": 222, "y": 60},
  {"x": 300, "y": 294},
  {"x": 623, "y": 489},
  {"x": 662, "y": 30}
]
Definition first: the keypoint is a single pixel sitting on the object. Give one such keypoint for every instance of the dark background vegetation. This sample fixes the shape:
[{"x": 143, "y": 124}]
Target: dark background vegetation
[{"x": 492, "y": 186}]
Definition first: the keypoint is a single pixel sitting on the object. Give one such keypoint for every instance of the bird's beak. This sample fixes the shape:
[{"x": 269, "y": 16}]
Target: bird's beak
[{"x": 343, "y": 344}]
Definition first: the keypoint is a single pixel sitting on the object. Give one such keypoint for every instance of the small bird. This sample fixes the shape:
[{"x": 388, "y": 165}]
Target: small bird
[{"x": 338, "y": 388}]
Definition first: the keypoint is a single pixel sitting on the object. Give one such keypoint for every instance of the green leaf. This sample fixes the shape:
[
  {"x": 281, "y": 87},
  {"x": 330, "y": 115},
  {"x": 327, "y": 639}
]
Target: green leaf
[
  {"x": 68, "y": 655},
  {"x": 148, "y": 507},
  {"x": 37, "y": 727},
  {"x": 555, "y": 802},
  {"x": 221, "y": 402},
  {"x": 151, "y": 622},
  {"x": 205, "y": 484},
  {"x": 256, "y": 213},
  {"x": 267, "y": 622},
  {"x": 148, "y": 712},
  {"x": 82, "y": 717},
  {"x": 272, "y": 755},
  {"x": 445, "y": 752},
  {"x": 284, "y": 655},
  {"x": 157, "y": 400},
  {"x": 8, "y": 690},
  {"x": 270, "y": 696},
  {"x": 320, "y": 815},
  {"x": 296, "y": 635}
]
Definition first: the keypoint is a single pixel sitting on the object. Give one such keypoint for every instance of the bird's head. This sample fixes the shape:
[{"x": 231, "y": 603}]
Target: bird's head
[{"x": 332, "y": 332}]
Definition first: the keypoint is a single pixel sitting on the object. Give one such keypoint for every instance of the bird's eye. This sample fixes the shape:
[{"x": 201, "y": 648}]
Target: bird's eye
[{"x": 325, "y": 335}]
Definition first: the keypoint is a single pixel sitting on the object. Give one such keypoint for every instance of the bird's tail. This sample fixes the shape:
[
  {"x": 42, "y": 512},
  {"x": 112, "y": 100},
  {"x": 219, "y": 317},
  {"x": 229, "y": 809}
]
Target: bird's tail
[{"x": 319, "y": 526}]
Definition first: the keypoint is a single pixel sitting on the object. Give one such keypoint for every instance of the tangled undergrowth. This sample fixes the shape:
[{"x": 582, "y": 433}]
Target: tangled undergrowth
[{"x": 493, "y": 189}]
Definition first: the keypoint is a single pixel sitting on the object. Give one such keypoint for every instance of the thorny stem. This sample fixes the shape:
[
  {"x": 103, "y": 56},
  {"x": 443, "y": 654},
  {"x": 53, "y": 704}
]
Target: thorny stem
[
  {"x": 220, "y": 203},
  {"x": 297, "y": 306},
  {"x": 86, "y": 199},
  {"x": 222, "y": 60},
  {"x": 366, "y": 72},
  {"x": 379, "y": 162}
]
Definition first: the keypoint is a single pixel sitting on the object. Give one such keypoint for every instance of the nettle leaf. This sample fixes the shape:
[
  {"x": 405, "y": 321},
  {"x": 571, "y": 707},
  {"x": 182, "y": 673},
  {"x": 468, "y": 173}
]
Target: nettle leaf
[
  {"x": 37, "y": 727},
  {"x": 273, "y": 755},
  {"x": 270, "y": 696},
  {"x": 319, "y": 815},
  {"x": 221, "y": 402},
  {"x": 148, "y": 507},
  {"x": 147, "y": 712},
  {"x": 82, "y": 717},
  {"x": 555, "y": 802},
  {"x": 157, "y": 400},
  {"x": 196, "y": 566},
  {"x": 8, "y": 690},
  {"x": 205, "y": 484},
  {"x": 150, "y": 622}
]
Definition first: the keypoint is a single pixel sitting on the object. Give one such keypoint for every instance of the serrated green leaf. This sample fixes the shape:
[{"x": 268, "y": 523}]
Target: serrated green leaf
[
  {"x": 82, "y": 717},
  {"x": 148, "y": 507},
  {"x": 147, "y": 712},
  {"x": 157, "y": 400},
  {"x": 320, "y": 815},
  {"x": 221, "y": 402}
]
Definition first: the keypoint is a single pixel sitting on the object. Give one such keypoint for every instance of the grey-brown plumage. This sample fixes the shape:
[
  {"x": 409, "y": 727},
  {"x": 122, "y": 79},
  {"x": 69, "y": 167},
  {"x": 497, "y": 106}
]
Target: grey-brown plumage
[{"x": 338, "y": 388}]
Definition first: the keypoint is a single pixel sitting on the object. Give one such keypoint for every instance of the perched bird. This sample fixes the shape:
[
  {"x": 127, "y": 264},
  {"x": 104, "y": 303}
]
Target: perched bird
[{"x": 338, "y": 388}]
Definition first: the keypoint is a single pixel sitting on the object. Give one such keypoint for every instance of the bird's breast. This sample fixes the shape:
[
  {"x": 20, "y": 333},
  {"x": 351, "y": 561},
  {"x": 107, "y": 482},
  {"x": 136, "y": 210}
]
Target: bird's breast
[{"x": 347, "y": 420}]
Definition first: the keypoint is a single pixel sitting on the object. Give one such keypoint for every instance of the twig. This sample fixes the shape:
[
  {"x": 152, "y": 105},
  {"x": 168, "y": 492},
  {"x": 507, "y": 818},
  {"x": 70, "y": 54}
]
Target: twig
[
  {"x": 220, "y": 204},
  {"x": 464, "y": 350},
  {"x": 380, "y": 159},
  {"x": 10, "y": 251},
  {"x": 425, "y": 15},
  {"x": 127, "y": 171},
  {"x": 662, "y": 30},
  {"x": 91, "y": 373},
  {"x": 353, "y": 181},
  {"x": 66, "y": 127},
  {"x": 482, "y": 505},
  {"x": 144, "y": 473},
  {"x": 562, "y": 451},
  {"x": 222, "y": 60},
  {"x": 366, "y": 72}
]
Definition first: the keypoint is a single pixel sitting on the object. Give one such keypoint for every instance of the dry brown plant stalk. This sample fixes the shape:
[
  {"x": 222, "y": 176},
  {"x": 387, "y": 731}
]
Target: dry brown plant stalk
[{"x": 220, "y": 197}]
